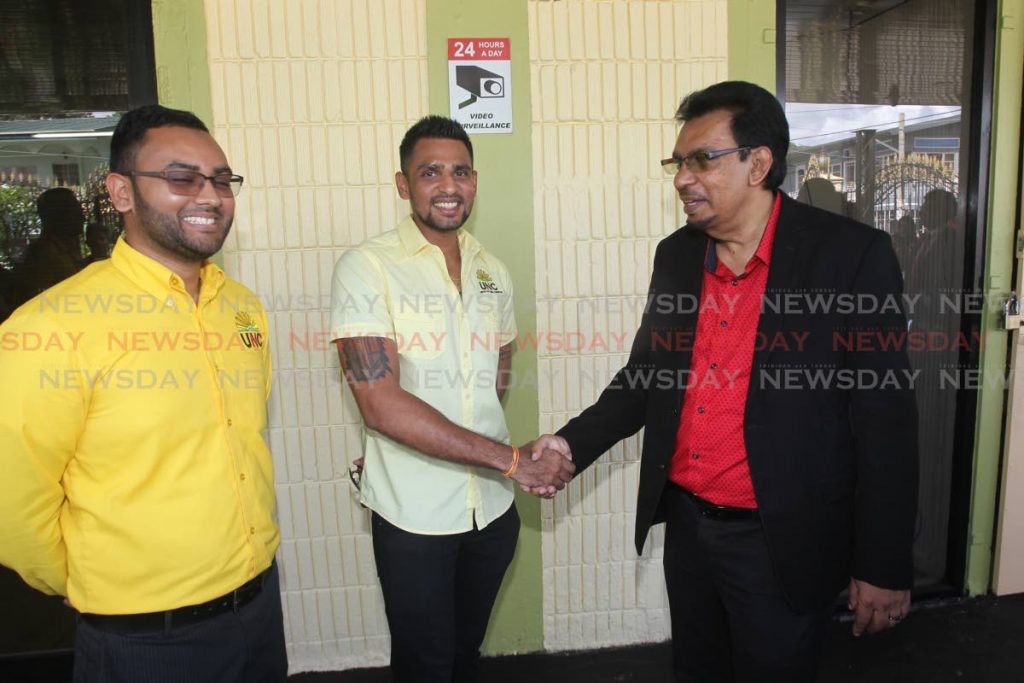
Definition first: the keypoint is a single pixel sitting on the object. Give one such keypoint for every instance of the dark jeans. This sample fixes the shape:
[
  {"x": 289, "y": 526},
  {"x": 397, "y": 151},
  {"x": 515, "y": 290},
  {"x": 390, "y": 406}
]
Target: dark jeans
[
  {"x": 730, "y": 621},
  {"x": 438, "y": 594},
  {"x": 228, "y": 648}
]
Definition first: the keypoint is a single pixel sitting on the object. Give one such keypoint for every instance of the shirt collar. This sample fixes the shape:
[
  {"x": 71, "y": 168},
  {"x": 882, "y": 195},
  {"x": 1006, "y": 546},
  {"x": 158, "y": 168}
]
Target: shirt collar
[
  {"x": 764, "y": 247},
  {"x": 159, "y": 280},
  {"x": 413, "y": 241}
]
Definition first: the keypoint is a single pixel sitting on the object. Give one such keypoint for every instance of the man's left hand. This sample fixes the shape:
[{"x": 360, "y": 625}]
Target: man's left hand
[
  {"x": 876, "y": 609},
  {"x": 546, "y": 441}
]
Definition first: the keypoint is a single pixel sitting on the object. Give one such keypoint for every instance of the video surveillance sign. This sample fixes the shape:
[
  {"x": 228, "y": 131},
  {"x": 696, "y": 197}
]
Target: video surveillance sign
[{"x": 480, "y": 84}]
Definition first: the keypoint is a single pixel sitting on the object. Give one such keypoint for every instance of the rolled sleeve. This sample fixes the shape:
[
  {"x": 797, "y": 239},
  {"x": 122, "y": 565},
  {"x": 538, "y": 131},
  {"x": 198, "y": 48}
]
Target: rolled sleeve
[{"x": 358, "y": 307}]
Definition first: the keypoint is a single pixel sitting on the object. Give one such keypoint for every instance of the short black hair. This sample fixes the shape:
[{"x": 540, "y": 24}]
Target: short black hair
[
  {"x": 938, "y": 209},
  {"x": 758, "y": 120},
  {"x": 55, "y": 202},
  {"x": 60, "y": 212},
  {"x": 132, "y": 127},
  {"x": 432, "y": 126}
]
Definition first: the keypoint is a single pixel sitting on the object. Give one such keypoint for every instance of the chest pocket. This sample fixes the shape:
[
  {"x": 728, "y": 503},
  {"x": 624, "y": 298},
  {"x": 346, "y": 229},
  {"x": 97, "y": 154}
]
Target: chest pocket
[{"x": 420, "y": 335}]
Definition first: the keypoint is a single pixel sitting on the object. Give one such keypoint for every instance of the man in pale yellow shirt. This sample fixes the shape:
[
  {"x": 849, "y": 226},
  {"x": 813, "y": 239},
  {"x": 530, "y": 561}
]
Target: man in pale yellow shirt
[
  {"x": 424, "y": 323},
  {"x": 137, "y": 482}
]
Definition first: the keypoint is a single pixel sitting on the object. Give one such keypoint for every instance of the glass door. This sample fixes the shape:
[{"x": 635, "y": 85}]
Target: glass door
[{"x": 886, "y": 102}]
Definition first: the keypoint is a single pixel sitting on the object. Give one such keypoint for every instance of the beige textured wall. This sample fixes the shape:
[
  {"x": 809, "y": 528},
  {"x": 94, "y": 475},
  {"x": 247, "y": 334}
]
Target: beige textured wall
[
  {"x": 607, "y": 76},
  {"x": 310, "y": 100}
]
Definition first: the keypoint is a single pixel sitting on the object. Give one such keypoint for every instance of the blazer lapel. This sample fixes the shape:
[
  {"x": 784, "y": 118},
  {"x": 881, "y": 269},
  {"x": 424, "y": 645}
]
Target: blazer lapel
[
  {"x": 785, "y": 273},
  {"x": 687, "y": 279}
]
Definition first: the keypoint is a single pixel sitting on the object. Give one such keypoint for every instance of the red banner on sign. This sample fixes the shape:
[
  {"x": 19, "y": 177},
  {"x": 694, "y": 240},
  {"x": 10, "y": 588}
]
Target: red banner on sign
[{"x": 476, "y": 49}]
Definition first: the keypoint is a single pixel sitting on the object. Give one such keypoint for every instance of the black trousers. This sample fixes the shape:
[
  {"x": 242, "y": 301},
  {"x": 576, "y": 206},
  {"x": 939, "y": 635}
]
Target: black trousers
[
  {"x": 247, "y": 647},
  {"x": 730, "y": 621},
  {"x": 438, "y": 595}
]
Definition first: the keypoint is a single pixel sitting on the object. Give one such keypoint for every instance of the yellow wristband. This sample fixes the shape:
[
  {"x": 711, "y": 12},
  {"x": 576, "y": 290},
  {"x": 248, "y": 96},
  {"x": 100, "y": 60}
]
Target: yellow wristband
[{"x": 515, "y": 462}]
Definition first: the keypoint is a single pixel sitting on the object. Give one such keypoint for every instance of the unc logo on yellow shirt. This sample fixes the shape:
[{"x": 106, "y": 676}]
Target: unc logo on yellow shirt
[
  {"x": 248, "y": 331},
  {"x": 486, "y": 282}
]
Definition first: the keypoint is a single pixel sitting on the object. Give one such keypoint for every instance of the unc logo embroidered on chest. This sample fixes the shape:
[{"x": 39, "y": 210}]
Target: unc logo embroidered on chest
[
  {"x": 486, "y": 282},
  {"x": 248, "y": 331}
]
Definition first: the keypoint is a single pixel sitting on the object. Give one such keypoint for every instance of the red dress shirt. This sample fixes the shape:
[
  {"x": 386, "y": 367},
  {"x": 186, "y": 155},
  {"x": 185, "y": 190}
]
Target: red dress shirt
[{"x": 710, "y": 458}]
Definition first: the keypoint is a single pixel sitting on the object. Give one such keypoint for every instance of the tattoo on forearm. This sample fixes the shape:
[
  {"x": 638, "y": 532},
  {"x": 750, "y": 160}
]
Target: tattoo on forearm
[{"x": 364, "y": 359}]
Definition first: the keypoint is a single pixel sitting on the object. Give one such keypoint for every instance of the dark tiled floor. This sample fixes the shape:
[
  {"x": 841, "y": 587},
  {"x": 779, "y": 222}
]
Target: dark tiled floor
[
  {"x": 966, "y": 641},
  {"x": 969, "y": 641}
]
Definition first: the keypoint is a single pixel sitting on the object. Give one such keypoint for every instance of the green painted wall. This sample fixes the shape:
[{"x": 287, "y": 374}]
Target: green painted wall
[
  {"x": 1003, "y": 188},
  {"x": 182, "y": 61},
  {"x": 503, "y": 221},
  {"x": 752, "y": 42}
]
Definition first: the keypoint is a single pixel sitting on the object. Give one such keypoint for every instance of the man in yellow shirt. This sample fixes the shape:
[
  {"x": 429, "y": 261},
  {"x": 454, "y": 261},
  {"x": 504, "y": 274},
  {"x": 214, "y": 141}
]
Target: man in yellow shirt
[
  {"x": 137, "y": 482},
  {"x": 424, "y": 323}
]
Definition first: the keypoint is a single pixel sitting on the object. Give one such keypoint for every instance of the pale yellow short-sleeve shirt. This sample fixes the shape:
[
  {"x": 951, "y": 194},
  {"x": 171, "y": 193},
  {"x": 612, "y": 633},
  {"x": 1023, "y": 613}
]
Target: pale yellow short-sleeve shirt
[{"x": 396, "y": 286}]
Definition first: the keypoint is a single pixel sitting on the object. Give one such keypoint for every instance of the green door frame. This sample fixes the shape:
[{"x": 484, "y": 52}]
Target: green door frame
[{"x": 998, "y": 269}]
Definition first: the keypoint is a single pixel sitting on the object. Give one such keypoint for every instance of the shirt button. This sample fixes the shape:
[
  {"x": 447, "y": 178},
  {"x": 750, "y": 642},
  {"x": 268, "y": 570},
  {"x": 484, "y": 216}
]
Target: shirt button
[
  {"x": 661, "y": 466},
  {"x": 700, "y": 409},
  {"x": 735, "y": 283},
  {"x": 242, "y": 476},
  {"x": 724, "y": 324},
  {"x": 252, "y": 531},
  {"x": 229, "y": 422},
  {"x": 696, "y": 455},
  {"x": 714, "y": 366}
]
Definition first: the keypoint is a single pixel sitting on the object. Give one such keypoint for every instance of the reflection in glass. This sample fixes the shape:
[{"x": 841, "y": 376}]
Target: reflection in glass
[{"x": 877, "y": 96}]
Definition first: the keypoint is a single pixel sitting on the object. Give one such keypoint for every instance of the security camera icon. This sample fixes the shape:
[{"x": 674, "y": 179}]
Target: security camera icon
[{"x": 479, "y": 82}]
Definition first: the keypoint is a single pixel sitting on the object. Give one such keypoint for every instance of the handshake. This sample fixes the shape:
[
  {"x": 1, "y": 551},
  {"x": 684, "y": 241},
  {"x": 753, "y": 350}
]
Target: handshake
[{"x": 545, "y": 466}]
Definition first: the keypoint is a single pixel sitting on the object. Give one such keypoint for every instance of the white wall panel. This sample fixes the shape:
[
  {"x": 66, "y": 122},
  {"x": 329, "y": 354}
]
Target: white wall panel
[
  {"x": 607, "y": 76},
  {"x": 310, "y": 100}
]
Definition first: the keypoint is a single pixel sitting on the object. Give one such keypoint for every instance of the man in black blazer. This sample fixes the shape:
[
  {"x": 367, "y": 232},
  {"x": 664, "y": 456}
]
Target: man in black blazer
[{"x": 770, "y": 376}]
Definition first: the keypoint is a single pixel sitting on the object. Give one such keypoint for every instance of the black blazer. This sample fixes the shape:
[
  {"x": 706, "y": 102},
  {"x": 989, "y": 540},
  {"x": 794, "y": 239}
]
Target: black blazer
[{"x": 830, "y": 423}]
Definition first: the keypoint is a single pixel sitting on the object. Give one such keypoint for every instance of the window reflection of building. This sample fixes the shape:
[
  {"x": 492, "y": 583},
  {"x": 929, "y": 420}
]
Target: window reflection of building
[
  {"x": 931, "y": 159},
  {"x": 65, "y": 174}
]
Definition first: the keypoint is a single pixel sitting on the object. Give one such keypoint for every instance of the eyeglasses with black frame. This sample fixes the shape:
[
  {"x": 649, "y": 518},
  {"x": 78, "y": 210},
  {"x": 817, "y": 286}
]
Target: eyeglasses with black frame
[
  {"x": 186, "y": 183},
  {"x": 699, "y": 160}
]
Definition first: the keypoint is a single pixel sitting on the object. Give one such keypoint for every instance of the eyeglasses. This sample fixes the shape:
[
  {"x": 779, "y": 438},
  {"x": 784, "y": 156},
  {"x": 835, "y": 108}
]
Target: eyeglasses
[
  {"x": 699, "y": 160},
  {"x": 190, "y": 183}
]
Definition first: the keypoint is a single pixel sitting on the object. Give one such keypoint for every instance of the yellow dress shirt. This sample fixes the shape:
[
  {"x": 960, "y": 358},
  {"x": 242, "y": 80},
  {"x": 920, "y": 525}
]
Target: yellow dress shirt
[
  {"x": 396, "y": 286},
  {"x": 135, "y": 473}
]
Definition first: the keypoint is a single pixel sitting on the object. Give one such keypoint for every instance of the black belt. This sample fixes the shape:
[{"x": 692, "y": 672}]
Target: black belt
[
  {"x": 723, "y": 513},
  {"x": 182, "y": 616}
]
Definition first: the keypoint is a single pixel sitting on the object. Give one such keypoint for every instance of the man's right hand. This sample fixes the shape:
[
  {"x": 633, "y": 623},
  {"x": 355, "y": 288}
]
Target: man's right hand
[
  {"x": 536, "y": 449},
  {"x": 550, "y": 470}
]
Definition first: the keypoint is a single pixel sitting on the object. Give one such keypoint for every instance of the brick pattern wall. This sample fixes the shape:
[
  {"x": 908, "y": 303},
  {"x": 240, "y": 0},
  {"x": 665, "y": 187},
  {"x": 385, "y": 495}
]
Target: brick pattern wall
[
  {"x": 607, "y": 77},
  {"x": 310, "y": 99}
]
